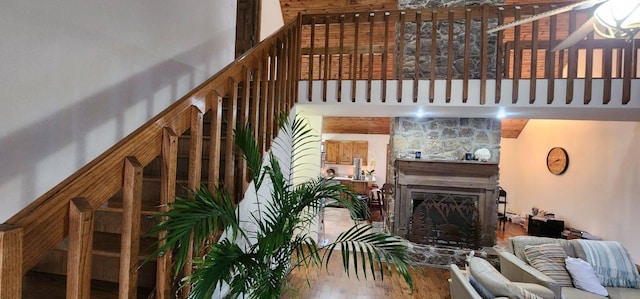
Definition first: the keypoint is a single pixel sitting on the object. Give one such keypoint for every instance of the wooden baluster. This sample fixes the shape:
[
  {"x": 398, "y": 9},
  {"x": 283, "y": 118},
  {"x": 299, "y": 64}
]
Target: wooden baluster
[
  {"x": 416, "y": 61},
  {"x": 533, "y": 71},
  {"x": 588, "y": 75},
  {"x": 280, "y": 66},
  {"x": 356, "y": 21},
  {"x": 215, "y": 139},
  {"x": 271, "y": 108},
  {"x": 195, "y": 148},
  {"x": 450, "y": 50},
  {"x": 277, "y": 97},
  {"x": 483, "y": 54},
  {"x": 130, "y": 238},
  {"x": 255, "y": 104},
  {"x": 517, "y": 59},
  {"x": 80, "y": 249},
  {"x": 229, "y": 157},
  {"x": 434, "y": 49},
  {"x": 194, "y": 180},
  {"x": 264, "y": 97},
  {"x": 467, "y": 55},
  {"x": 244, "y": 119},
  {"x": 289, "y": 71},
  {"x": 295, "y": 66},
  {"x": 327, "y": 59},
  {"x": 550, "y": 59},
  {"x": 607, "y": 69},
  {"x": 501, "y": 58},
  {"x": 572, "y": 60},
  {"x": 370, "y": 65},
  {"x": 167, "y": 196},
  {"x": 385, "y": 52},
  {"x": 312, "y": 51},
  {"x": 340, "y": 57},
  {"x": 11, "y": 241},
  {"x": 628, "y": 73},
  {"x": 400, "y": 66}
]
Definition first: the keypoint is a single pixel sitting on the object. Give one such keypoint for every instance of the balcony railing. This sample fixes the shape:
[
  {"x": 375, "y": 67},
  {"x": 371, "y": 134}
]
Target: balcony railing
[
  {"x": 344, "y": 51},
  {"x": 450, "y": 44}
]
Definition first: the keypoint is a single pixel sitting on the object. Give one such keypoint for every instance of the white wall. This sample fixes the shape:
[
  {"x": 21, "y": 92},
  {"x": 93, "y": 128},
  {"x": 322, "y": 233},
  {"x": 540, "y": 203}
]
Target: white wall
[
  {"x": 78, "y": 76},
  {"x": 377, "y": 150},
  {"x": 599, "y": 192},
  {"x": 271, "y": 18}
]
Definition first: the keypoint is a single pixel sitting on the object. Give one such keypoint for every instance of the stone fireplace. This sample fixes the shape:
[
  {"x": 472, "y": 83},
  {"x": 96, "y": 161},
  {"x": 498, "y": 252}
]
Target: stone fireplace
[{"x": 446, "y": 203}]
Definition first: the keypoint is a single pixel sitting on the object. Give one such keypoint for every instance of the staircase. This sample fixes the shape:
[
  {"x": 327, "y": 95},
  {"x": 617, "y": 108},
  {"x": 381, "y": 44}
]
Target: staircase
[
  {"x": 87, "y": 237},
  {"x": 108, "y": 218}
]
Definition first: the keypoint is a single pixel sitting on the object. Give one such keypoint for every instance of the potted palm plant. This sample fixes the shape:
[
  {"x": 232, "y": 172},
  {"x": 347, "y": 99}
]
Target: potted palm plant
[{"x": 254, "y": 261}]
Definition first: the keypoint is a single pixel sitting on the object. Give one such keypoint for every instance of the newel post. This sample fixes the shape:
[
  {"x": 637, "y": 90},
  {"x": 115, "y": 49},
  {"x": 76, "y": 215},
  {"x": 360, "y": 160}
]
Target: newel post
[{"x": 11, "y": 239}]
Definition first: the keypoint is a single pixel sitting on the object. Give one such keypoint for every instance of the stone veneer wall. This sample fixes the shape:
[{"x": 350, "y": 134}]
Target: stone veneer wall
[
  {"x": 444, "y": 138},
  {"x": 442, "y": 47}
]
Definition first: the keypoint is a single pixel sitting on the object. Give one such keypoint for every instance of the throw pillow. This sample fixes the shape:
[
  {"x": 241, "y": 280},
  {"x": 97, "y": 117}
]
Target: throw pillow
[
  {"x": 549, "y": 259},
  {"x": 612, "y": 263},
  {"x": 584, "y": 277}
]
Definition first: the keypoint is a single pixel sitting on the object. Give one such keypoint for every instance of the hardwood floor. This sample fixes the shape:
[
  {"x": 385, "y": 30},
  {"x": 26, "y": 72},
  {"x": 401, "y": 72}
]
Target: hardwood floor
[
  {"x": 331, "y": 283},
  {"x": 335, "y": 284}
]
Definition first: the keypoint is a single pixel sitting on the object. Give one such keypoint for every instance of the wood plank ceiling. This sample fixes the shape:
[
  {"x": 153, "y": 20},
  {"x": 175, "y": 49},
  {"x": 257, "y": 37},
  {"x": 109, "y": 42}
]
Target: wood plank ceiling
[{"x": 511, "y": 128}]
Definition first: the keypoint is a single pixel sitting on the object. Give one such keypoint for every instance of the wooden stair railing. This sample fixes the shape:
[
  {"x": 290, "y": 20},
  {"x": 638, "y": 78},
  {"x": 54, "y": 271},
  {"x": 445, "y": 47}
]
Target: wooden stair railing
[
  {"x": 374, "y": 46},
  {"x": 255, "y": 88}
]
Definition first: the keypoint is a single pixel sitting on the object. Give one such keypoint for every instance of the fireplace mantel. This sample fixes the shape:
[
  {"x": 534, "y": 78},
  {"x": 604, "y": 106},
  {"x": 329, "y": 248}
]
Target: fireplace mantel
[{"x": 466, "y": 177}]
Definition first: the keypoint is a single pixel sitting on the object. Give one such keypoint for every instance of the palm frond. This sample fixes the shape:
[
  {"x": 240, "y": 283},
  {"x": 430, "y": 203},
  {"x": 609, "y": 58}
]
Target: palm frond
[
  {"x": 250, "y": 150},
  {"x": 224, "y": 262},
  {"x": 204, "y": 214},
  {"x": 375, "y": 248}
]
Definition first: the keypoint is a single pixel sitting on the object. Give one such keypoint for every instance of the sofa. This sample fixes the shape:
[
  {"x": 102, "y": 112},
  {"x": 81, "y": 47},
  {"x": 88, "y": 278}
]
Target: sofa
[
  {"x": 482, "y": 280},
  {"x": 609, "y": 270}
]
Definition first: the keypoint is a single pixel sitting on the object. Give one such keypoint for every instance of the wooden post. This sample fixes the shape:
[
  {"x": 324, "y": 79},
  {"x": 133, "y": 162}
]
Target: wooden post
[
  {"x": 11, "y": 239},
  {"x": 167, "y": 196},
  {"x": 130, "y": 238},
  {"x": 215, "y": 138},
  {"x": 195, "y": 172},
  {"x": 232, "y": 114},
  {"x": 80, "y": 249}
]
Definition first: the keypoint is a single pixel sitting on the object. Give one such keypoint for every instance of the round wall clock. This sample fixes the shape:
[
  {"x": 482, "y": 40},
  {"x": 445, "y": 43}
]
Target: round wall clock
[{"x": 557, "y": 160}]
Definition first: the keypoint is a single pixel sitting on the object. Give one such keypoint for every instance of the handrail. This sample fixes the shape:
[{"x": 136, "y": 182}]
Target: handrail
[{"x": 352, "y": 46}]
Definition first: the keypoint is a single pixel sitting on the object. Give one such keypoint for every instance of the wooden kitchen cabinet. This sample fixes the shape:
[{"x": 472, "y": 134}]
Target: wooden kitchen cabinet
[
  {"x": 361, "y": 150},
  {"x": 343, "y": 151},
  {"x": 332, "y": 151},
  {"x": 346, "y": 152}
]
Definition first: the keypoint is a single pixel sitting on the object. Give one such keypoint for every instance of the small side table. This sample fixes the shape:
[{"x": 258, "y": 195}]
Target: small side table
[{"x": 545, "y": 227}]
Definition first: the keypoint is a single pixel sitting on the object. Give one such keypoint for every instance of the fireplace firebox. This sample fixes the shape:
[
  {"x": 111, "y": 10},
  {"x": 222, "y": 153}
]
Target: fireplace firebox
[{"x": 446, "y": 203}]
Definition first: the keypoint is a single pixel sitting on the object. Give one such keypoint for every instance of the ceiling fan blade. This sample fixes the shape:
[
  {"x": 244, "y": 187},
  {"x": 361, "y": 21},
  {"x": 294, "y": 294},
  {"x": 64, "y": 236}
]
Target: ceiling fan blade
[
  {"x": 578, "y": 5},
  {"x": 577, "y": 35}
]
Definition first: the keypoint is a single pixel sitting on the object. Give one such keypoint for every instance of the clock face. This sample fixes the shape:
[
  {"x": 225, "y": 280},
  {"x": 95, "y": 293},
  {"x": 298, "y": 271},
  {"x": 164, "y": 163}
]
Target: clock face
[{"x": 557, "y": 160}]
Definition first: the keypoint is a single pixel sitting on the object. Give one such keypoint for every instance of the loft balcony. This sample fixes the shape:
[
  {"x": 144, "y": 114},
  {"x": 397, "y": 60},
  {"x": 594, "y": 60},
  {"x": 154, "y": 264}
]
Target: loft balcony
[{"x": 369, "y": 58}]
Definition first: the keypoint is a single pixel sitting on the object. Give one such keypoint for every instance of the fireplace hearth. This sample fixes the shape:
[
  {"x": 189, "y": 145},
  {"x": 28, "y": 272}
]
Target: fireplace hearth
[{"x": 446, "y": 203}]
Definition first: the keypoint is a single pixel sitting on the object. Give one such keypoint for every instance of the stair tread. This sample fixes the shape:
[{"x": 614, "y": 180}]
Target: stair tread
[
  {"x": 37, "y": 285},
  {"x": 108, "y": 244},
  {"x": 115, "y": 205}
]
